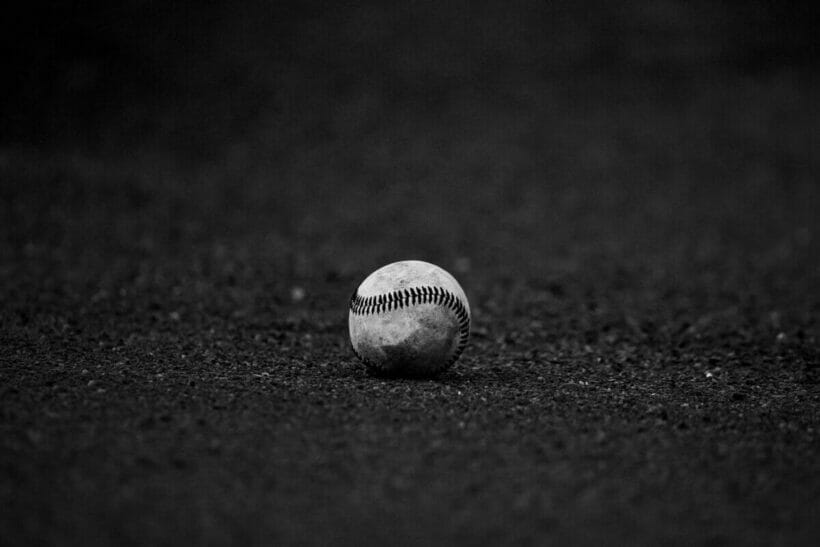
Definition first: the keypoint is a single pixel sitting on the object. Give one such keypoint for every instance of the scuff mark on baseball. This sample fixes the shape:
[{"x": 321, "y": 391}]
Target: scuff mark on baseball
[{"x": 409, "y": 318}]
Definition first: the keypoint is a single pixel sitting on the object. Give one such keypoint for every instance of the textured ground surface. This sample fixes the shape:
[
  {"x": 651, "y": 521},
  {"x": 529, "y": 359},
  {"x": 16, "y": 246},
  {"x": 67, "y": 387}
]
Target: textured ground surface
[{"x": 629, "y": 197}]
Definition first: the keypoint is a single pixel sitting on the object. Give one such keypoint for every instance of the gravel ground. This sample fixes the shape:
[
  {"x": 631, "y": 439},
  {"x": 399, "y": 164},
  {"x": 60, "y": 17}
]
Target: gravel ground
[{"x": 628, "y": 196}]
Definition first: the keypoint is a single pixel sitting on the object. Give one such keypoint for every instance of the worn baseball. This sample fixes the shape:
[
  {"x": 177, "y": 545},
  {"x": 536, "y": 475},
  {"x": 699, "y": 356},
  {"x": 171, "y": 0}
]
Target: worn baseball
[{"x": 409, "y": 318}]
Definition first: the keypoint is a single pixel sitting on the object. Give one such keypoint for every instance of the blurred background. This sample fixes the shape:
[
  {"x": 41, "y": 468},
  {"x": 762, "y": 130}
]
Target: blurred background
[{"x": 322, "y": 136}]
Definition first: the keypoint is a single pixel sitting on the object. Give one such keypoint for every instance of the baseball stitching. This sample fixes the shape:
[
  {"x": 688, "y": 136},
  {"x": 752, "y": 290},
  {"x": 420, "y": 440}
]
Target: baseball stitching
[{"x": 381, "y": 303}]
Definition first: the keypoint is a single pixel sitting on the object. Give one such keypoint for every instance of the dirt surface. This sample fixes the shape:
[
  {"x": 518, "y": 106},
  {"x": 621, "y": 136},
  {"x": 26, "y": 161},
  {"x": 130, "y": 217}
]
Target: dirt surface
[{"x": 629, "y": 197}]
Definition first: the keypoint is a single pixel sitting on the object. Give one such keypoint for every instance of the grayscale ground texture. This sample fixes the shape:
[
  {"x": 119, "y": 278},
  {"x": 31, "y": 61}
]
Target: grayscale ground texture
[{"x": 628, "y": 192}]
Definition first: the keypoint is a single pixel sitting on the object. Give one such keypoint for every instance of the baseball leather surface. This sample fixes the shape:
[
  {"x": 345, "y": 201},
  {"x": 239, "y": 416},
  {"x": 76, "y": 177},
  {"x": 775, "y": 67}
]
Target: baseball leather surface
[{"x": 409, "y": 318}]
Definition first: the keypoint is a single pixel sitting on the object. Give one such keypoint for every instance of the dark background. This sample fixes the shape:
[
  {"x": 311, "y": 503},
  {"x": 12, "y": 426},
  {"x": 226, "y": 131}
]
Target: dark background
[{"x": 627, "y": 191}]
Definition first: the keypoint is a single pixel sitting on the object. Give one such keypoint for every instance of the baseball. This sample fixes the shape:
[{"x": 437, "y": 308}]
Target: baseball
[{"x": 409, "y": 318}]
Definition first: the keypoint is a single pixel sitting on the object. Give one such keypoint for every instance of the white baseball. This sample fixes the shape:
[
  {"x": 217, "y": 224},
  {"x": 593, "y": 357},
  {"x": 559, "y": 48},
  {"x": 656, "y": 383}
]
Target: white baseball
[{"x": 409, "y": 318}]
